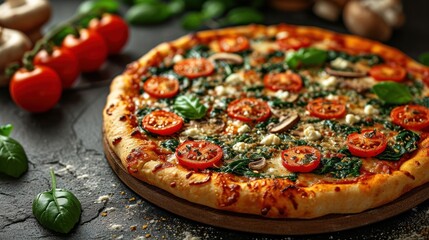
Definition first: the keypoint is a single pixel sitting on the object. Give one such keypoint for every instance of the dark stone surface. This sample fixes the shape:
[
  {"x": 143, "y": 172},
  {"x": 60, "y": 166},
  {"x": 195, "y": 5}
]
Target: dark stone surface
[{"x": 68, "y": 139}]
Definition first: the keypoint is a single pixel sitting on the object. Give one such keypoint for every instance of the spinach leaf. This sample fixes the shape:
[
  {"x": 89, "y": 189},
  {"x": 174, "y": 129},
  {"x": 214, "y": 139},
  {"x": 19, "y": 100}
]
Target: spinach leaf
[
  {"x": 189, "y": 106},
  {"x": 199, "y": 51},
  {"x": 58, "y": 209},
  {"x": 5, "y": 130},
  {"x": 340, "y": 128},
  {"x": 170, "y": 144},
  {"x": 13, "y": 160},
  {"x": 405, "y": 142},
  {"x": 424, "y": 102},
  {"x": 392, "y": 92},
  {"x": 340, "y": 167},
  {"x": 371, "y": 59},
  {"x": 246, "y": 138},
  {"x": 306, "y": 57}
]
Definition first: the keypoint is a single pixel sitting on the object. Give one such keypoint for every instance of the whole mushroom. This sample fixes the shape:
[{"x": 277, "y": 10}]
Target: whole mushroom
[{"x": 329, "y": 9}]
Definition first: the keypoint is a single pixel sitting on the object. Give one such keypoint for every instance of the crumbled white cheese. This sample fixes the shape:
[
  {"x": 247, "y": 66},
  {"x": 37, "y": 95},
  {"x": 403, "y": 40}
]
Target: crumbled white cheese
[
  {"x": 271, "y": 139},
  {"x": 243, "y": 129},
  {"x": 370, "y": 110},
  {"x": 192, "y": 132},
  {"x": 241, "y": 146},
  {"x": 311, "y": 134},
  {"x": 329, "y": 82},
  {"x": 177, "y": 58},
  {"x": 332, "y": 97},
  {"x": 340, "y": 63},
  {"x": 270, "y": 170},
  {"x": 282, "y": 95},
  {"x": 222, "y": 91},
  {"x": 281, "y": 35},
  {"x": 352, "y": 119},
  {"x": 234, "y": 79}
]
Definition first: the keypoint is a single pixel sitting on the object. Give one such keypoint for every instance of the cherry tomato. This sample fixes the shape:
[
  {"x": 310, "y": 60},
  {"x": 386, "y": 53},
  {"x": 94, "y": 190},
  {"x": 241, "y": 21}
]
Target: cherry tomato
[
  {"x": 114, "y": 31},
  {"x": 326, "y": 109},
  {"x": 294, "y": 43},
  {"x": 198, "y": 154},
  {"x": 161, "y": 87},
  {"x": 413, "y": 117},
  {"x": 37, "y": 90},
  {"x": 89, "y": 48},
  {"x": 301, "y": 158},
  {"x": 234, "y": 44},
  {"x": 369, "y": 143},
  {"x": 162, "y": 122},
  {"x": 388, "y": 73},
  {"x": 194, "y": 67},
  {"x": 249, "y": 110},
  {"x": 283, "y": 81},
  {"x": 63, "y": 62}
]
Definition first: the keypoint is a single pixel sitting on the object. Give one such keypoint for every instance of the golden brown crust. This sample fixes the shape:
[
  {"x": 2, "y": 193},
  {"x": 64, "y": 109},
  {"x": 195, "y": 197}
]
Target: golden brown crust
[{"x": 278, "y": 198}]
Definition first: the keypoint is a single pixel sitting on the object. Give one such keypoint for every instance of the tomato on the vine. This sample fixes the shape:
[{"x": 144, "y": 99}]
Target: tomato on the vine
[
  {"x": 369, "y": 143},
  {"x": 37, "y": 90},
  {"x": 198, "y": 154},
  {"x": 326, "y": 109},
  {"x": 89, "y": 48},
  {"x": 301, "y": 158},
  {"x": 161, "y": 87},
  {"x": 414, "y": 117},
  {"x": 194, "y": 67},
  {"x": 287, "y": 81},
  {"x": 249, "y": 110},
  {"x": 113, "y": 29},
  {"x": 233, "y": 44},
  {"x": 62, "y": 61},
  {"x": 162, "y": 122},
  {"x": 293, "y": 43},
  {"x": 386, "y": 72}
]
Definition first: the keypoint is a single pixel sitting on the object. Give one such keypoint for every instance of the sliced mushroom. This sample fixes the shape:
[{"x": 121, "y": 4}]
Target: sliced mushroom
[
  {"x": 285, "y": 123},
  {"x": 346, "y": 74},
  {"x": 258, "y": 164},
  {"x": 227, "y": 57}
]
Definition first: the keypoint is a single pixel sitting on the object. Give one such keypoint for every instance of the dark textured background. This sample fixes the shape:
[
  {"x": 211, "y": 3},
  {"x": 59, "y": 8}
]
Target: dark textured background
[{"x": 68, "y": 139}]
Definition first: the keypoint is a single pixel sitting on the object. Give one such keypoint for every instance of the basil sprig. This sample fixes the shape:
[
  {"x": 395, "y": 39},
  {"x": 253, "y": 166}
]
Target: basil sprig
[
  {"x": 58, "y": 209},
  {"x": 392, "y": 92},
  {"x": 189, "y": 106},
  {"x": 306, "y": 57},
  {"x": 13, "y": 160}
]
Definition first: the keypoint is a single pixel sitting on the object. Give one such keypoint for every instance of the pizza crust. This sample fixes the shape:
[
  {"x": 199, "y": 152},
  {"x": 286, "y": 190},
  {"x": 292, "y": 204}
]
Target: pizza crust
[{"x": 276, "y": 198}]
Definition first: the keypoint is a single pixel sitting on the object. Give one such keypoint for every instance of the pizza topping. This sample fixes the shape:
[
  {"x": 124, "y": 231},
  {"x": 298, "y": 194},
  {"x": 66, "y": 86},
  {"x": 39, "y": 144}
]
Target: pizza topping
[
  {"x": 346, "y": 74},
  {"x": 270, "y": 139},
  {"x": 198, "y": 154},
  {"x": 413, "y": 117},
  {"x": 352, "y": 119},
  {"x": 189, "y": 106},
  {"x": 287, "y": 81},
  {"x": 162, "y": 123},
  {"x": 194, "y": 68},
  {"x": 234, "y": 44},
  {"x": 161, "y": 87},
  {"x": 293, "y": 43},
  {"x": 301, "y": 158},
  {"x": 369, "y": 143},
  {"x": 285, "y": 124},
  {"x": 370, "y": 110},
  {"x": 392, "y": 92},
  {"x": 326, "y": 109},
  {"x": 258, "y": 164},
  {"x": 249, "y": 110},
  {"x": 388, "y": 73},
  {"x": 311, "y": 134},
  {"x": 306, "y": 57},
  {"x": 405, "y": 142},
  {"x": 227, "y": 57}
]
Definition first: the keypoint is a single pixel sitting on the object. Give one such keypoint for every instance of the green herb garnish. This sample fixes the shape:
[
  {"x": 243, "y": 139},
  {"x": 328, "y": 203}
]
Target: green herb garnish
[
  {"x": 189, "y": 106},
  {"x": 392, "y": 92},
  {"x": 13, "y": 160},
  {"x": 306, "y": 57}
]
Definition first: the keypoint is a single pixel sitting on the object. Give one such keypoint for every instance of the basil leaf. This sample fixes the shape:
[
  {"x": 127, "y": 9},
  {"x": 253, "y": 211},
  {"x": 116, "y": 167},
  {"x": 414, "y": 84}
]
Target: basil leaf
[
  {"x": 306, "y": 57},
  {"x": 189, "y": 106},
  {"x": 5, "y": 130},
  {"x": 13, "y": 160},
  {"x": 58, "y": 209},
  {"x": 392, "y": 92},
  {"x": 213, "y": 9},
  {"x": 424, "y": 58}
]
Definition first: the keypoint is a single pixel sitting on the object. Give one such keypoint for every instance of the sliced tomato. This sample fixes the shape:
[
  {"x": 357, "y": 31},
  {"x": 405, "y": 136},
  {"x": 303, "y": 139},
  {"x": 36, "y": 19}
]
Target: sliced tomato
[
  {"x": 161, "y": 87},
  {"x": 294, "y": 43},
  {"x": 198, "y": 154},
  {"x": 369, "y": 143},
  {"x": 283, "y": 81},
  {"x": 326, "y": 109},
  {"x": 162, "y": 122},
  {"x": 233, "y": 44},
  {"x": 249, "y": 110},
  {"x": 194, "y": 67},
  {"x": 414, "y": 117},
  {"x": 301, "y": 158},
  {"x": 388, "y": 73}
]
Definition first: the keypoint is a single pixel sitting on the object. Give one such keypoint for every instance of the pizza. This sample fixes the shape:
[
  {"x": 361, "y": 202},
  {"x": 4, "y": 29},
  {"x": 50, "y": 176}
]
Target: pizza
[{"x": 277, "y": 121}]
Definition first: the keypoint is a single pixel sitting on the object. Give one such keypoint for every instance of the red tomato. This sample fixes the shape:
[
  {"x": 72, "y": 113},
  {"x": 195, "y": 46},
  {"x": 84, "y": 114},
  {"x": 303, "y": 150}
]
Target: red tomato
[
  {"x": 114, "y": 31},
  {"x": 37, "y": 90},
  {"x": 369, "y": 143},
  {"x": 294, "y": 43},
  {"x": 283, "y": 81},
  {"x": 326, "y": 109},
  {"x": 388, "y": 73},
  {"x": 89, "y": 48},
  {"x": 63, "y": 62},
  {"x": 413, "y": 117},
  {"x": 198, "y": 154},
  {"x": 162, "y": 122},
  {"x": 194, "y": 67},
  {"x": 301, "y": 158},
  {"x": 249, "y": 110},
  {"x": 234, "y": 44},
  {"x": 161, "y": 87}
]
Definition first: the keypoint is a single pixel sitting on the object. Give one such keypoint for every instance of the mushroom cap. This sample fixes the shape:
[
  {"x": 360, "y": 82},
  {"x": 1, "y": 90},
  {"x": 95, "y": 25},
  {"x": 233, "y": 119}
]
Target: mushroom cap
[
  {"x": 364, "y": 22},
  {"x": 26, "y": 17}
]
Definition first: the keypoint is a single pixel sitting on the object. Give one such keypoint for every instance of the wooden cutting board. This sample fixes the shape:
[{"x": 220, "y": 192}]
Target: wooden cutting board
[{"x": 256, "y": 224}]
